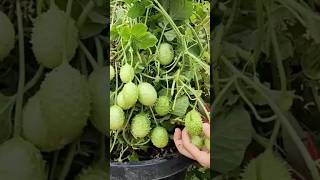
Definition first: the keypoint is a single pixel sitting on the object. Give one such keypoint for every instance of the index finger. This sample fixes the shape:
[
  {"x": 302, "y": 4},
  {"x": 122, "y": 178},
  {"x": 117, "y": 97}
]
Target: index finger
[{"x": 192, "y": 149}]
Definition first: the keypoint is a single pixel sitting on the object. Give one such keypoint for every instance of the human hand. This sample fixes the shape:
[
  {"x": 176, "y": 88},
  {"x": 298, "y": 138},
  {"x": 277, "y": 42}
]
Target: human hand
[{"x": 185, "y": 147}]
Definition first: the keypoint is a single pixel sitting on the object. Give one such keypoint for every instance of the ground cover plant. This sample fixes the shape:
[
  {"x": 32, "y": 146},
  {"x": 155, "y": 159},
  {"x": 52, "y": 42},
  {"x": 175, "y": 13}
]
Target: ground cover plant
[
  {"x": 53, "y": 75},
  {"x": 160, "y": 76},
  {"x": 266, "y": 81}
]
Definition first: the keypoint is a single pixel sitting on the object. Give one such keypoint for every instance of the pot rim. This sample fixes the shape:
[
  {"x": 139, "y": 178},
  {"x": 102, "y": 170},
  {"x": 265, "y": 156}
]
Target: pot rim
[{"x": 151, "y": 162}]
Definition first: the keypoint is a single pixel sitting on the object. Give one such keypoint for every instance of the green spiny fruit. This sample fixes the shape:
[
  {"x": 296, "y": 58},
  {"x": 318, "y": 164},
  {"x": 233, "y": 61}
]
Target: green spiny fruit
[
  {"x": 128, "y": 97},
  {"x": 159, "y": 137},
  {"x": 7, "y": 36},
  {"x": 126, "y": 73},
  {"x": 57, "y": 114},
  {"x": 121, "y": 101},
  {"x": 54, "y": 34},
  {"x": 116, "y": 117},
  {"x": 98, "y": 88},
  {"x": 130, "y": 92},
  {"x": 265, "y": 167},
  {"x": 197, "y": 141},
  {"x": 163, "y": 106},
  {"x": 140, "y": 126},
  {"x": 20, "y": 160},
  {"x": 193, "y": 123},
  {"x": 165, "y": 54},
  {"x": 207, "y": 143},
  {"x": 147, "y": 94},
  {"x": 93, "y": 174}
]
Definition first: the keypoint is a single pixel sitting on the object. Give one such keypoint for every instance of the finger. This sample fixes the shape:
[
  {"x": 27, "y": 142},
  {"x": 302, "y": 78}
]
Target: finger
[
  {"x": 206, "y": 129},
  {"x": 183, "y": 151},
  {"x": 192, "y": 149},
  {"x": 178, "y": 142},
  {"x": 177, "y": 134}
]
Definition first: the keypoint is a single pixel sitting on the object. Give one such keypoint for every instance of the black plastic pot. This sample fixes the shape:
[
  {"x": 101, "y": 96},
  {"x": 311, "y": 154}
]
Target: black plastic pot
[{"x": 173, "y": 168}]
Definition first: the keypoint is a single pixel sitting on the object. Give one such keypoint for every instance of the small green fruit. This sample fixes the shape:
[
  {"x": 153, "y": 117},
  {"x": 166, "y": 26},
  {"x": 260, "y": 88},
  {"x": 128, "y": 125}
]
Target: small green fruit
[
  {"x": 121, "y": 101},
  {"x": 140, "y": 126},
  {"x": 165, "y": 54},
  {"x": 116, "y": 117},
  {"x": 128, "y": 97},
  {"x": 54, "y": 34},
  {"x": 163, "y": 106},
  {"x": 7, "y": 36},
  {"x": 57, "y": 114},
  {"x": 20, "y": 160},
  {"x": 126, "y": 73},
  {"x": 197, "y": 141},
  {"x": 193, "y": 123},
  {"x": 130, "y": 92},
  {"x": 159, "y": 137},
  {"x": 147, "y": 94}
]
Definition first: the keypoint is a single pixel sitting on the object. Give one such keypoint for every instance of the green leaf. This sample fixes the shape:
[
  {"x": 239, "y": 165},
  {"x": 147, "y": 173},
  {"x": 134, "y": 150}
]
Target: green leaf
[
  {"x": 113, "y": 33},
  {"x": 139, "y": 30},
  {"x": 136, "y": 10},
  {"x": 284, "y": 99},
  {"x": 231, "y": 136},
  {"x": 170, "y": 35},
  {"x": 181, "y": 106},
  {"x": 124, "y": 32},
  {"x": 178, "y": 9},
  {"x": 146, "y": 41},
  {"x": 5, "y": 118}
]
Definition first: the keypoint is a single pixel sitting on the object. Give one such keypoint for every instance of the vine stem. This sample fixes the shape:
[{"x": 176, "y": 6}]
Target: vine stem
[
  {"x": 54, "y": 165},
  {"x": 89, "y": 56},
  {"x": 28, "y": 86},
  {"x": 84, "y": 14},
  {"x": 35, "y": 78},
  {"x": 114, "y": 141},
  {"x": 166, "y": 15},
  {"x": 283, "y": 81},
  {"x": 99, "y": 51},
  {"x": 154, "y": 118},
  {"x": 19, "y": 100},
  {"x": 251, "y": 106},
  {"x": 198, "y": 100},
  {"x": 274, "y": 134},
  {"x": 281, "y": 117},
  {"x": 39, "y": 6},
  {"x": 68, "y": 162}
]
